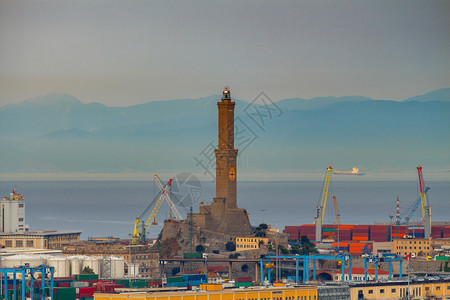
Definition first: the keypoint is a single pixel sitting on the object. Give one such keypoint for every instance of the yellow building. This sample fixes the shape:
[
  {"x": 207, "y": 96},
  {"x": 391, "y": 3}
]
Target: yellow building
[
  {"x": 46, "y": 239},
  {"x": 300, "y": 293},
  {"x": 250, "y": 243},
  {"x": 419, "y": 247},
  {"x": 399, "y": 290}
]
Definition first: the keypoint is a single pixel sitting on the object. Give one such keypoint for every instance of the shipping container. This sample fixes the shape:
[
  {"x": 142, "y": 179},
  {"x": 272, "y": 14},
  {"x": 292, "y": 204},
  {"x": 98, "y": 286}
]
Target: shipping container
[
  {"x": 192, "y": 255},
  {"x": 243, "y": 279},
  {"x": 86, "y": 277},
  {"x": 442, "y": 258},
  {"x": 239, "y": 284},
  {"x": 211, "y": 287},
  {"x": 175, "y": 279}
]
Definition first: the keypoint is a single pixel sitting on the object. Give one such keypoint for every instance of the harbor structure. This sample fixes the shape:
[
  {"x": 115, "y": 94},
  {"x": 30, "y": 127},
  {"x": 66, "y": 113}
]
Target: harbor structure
[
  {"x": 12, "y": 214},
  {"x": 223, "y": 214}
]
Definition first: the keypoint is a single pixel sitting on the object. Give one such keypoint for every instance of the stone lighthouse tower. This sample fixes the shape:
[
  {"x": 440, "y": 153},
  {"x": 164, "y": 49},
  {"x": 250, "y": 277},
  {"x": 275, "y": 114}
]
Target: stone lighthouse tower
[
  {"x": 226, "y": 155},
  {"x": 223, "y": 214}
]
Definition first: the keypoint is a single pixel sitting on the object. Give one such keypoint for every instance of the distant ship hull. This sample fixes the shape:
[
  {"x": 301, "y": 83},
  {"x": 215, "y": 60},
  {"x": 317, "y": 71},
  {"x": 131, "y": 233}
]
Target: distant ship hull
[{"x": 355, "y": 171}]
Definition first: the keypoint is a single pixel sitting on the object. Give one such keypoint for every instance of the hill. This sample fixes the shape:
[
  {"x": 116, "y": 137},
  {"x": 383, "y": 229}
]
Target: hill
[{"x": 58, "y": 133}]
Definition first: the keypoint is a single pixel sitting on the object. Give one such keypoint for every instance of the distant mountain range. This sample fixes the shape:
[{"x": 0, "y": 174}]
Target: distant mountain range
[{"x": 58, "y": 133}]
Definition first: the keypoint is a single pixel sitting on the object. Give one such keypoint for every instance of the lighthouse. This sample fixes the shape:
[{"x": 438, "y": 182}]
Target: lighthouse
[
  {"x": 226, "y": 155},
  {"x": 223, "y": 214}
]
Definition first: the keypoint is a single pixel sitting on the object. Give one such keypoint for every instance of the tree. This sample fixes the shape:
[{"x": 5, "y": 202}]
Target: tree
[
  {"x": 200, "y": 249},
  {"x": 230, "y": 246},
  {"x": 175, "y": 271},
  {"x": 263, "y": 226},
  {"x": 260, "y": 234},
  {"x": 87, "y": 270}
]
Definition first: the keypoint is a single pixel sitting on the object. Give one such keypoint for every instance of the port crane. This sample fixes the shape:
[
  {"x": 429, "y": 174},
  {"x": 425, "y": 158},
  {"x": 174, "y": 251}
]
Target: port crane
[
  {"x": 336, "y": 212},
  {"x": 139, "y": 234},
  {"x": 173, "y": 208},
  {"x": 414, "y": 207},
  {"x": 426, "y": 208},
  {"x": 321, "y": 206}
]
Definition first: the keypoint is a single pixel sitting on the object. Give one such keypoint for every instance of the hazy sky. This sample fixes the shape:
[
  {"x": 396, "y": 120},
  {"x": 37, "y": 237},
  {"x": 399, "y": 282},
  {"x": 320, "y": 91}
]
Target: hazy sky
[{"x": 128, "y": 52}]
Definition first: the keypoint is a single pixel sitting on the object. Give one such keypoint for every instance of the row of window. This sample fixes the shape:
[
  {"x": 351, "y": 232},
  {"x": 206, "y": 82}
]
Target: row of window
[
  {"x": 247, "y": 240},
  {"x": 19, "y": 243},
  {"x": 410, "y": 242},
  {"x": 405, "y": 247},
  {"x": 286, "y": 298},
  {"x": 247, "y": 246}
]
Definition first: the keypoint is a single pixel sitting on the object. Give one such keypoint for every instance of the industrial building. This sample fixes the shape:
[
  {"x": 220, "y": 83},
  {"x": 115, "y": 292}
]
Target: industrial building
[
  {"x": 12, "y": 214},
  {"x": 44, "y": 239}
]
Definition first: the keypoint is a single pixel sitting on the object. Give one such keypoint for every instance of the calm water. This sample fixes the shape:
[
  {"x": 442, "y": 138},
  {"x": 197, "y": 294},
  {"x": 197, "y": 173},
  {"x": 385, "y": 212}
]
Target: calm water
[{"x": 108, "y": 208}]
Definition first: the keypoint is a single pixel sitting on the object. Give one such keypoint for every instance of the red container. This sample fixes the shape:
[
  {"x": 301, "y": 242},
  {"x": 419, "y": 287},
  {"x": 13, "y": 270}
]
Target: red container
[
  {"x": 154, "y": 283},
  {"x": 86, "y": 295},
  {"x": 85, "y": 290},
  {"x": 111, "y": 287},
  {"x": 243, "y": 279},
  {"x": 63, "y": 284}
]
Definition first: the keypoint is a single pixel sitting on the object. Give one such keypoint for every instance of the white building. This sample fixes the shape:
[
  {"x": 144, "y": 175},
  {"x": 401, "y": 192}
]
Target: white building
[{"x": 12, "y": 213}]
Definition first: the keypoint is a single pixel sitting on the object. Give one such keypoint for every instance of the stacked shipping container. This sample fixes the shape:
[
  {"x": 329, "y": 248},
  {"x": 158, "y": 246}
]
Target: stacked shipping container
[{"x": 360, "y": 233}]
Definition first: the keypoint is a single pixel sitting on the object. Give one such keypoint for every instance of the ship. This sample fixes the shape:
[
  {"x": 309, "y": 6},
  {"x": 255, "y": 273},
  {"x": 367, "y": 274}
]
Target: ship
[{"x": 354, "y": 171}]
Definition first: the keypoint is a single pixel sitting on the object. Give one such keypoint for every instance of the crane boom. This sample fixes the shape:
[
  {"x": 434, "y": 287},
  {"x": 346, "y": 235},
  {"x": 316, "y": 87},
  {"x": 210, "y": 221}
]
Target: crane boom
[
  {"x": 173, "y": 208},
  {"x": 426, "y": 209},
  {"x": 413, "y": 210},
  {"x": 325, "y": 190},
  {"x": 321, "y": 207},
  {"x": 137, "y": 235},
  {"x": 336, "y": 212}
]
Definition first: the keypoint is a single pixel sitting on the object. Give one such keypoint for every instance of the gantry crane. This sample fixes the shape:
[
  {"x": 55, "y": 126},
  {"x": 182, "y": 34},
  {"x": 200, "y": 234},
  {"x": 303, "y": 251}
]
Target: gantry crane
[
  {"x": 426, "y": 208},
  {"x": 139, "y": 235},
  {"x": 321, "y": 207}
]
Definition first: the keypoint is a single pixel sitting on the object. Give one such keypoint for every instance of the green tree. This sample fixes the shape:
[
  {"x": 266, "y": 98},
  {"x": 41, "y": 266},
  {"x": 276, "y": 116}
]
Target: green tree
[
  {"x": 260, "y": 234},
  {"x": 87, "y": 270},
  {"x": 263, "y": 226},
  {"x": 200, "y": 249},
  {"x": 230, "y": 246}
]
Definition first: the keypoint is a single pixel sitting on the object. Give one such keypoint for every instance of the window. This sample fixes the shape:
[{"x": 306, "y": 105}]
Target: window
[
  {"x": 20, "y": 204},
  {"x": 438, "y": 288},
  {"x": 427, "y": 288},
  {"x": 382, "y": 291},
  {"x": 8, "y": 243},
  {"x": 30, "y": 243},
  {"x": 370, "y": 291},
  {"x": 20, "y": 219},
  {"x": 19, "y": 243}
]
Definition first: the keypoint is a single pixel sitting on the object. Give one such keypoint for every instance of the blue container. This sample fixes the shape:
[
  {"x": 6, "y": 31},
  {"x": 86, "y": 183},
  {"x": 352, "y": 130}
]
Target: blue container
[
  {"x": 177, "y": 284},
  {"x": 194, "y": 277},
  {"x": 196, "y": 282}
]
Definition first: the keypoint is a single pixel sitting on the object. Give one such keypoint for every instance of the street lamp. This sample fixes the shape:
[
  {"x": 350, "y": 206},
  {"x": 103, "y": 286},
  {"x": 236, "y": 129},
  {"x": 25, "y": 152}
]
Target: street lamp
[{"x": 129, "y": 260}]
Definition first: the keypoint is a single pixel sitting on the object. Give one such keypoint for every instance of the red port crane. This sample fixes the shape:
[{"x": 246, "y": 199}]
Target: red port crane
[{"x": 426, "y": 208}]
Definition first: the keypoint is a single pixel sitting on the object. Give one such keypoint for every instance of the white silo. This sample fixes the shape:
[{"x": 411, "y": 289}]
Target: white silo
[
  {"x": 93, "y": 263},
  {"x": 61, "y": 265}
]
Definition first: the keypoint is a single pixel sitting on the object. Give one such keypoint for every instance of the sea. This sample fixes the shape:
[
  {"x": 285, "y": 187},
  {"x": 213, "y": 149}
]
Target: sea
[{"x": 109, "y": 208}]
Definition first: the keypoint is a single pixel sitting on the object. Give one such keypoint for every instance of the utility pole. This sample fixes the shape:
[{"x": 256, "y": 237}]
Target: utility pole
[{"x": 390, "y": 237}]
